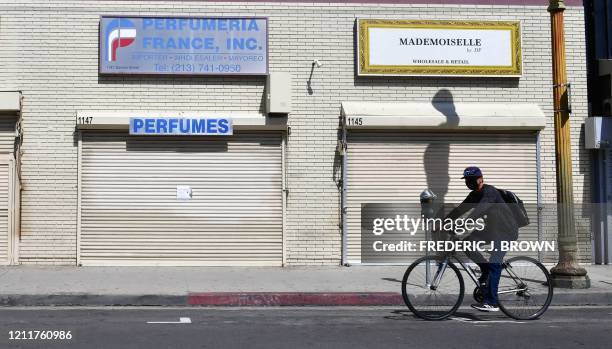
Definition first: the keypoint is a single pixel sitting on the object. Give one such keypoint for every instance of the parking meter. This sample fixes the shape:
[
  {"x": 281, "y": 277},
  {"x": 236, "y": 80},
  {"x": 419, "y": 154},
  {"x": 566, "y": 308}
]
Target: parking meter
[{"x": 428, "y": 207}]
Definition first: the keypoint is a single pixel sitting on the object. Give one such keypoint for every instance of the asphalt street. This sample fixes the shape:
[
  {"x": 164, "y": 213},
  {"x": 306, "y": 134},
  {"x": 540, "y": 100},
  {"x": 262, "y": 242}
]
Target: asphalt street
[{"x": 322, "y": 327}]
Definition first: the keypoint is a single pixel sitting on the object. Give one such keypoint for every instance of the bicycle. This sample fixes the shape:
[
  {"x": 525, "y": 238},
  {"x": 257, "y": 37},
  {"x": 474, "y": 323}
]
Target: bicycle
[{"x": 525, "y": 289}]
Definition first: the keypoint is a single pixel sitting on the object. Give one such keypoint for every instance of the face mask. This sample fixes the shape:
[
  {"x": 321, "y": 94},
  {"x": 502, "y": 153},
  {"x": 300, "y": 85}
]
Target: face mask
[{"x": 472, "y": 183}]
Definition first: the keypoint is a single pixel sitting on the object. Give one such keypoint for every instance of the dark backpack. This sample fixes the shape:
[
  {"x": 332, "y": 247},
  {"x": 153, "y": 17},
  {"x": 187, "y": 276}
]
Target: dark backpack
[{"x": 516, "y": 206}]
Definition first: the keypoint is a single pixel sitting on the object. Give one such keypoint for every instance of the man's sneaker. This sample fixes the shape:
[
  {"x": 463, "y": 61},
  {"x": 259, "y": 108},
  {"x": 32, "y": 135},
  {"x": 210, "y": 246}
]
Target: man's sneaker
[{"x": 485, "y": 307}]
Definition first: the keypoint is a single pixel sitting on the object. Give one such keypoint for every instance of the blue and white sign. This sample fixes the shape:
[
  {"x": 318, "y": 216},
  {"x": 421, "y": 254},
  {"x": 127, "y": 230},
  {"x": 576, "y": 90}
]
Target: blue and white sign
[
  {"x": 184, "y": 45},
  {"x": 181, "y": 126}
]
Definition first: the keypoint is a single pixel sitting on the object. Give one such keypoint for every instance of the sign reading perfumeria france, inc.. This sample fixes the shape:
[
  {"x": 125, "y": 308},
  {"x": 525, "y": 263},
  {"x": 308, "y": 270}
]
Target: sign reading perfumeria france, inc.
[
  {"x": 183, "y": 46},
  {"x": 181, "y": 126},
  {"x": 438, "y": 48}
]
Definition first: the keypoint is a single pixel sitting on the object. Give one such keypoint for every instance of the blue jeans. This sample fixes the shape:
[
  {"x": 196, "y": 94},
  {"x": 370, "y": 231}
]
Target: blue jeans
[
  {"x": 491, "y": 273},
  {"x": 490, "y": 269}
]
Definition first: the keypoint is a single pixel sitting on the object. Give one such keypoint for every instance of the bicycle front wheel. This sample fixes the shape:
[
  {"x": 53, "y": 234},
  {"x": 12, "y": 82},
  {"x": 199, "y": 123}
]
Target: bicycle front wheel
[
  {"x": 525, "y": 289},
  {"x": 430, "y": 290}
]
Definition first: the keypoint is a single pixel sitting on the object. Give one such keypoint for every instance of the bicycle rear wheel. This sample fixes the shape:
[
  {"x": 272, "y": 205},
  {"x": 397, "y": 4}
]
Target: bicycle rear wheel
[
  {"x": 525, "y": 289},
  {"x": 426, "y": 301}
]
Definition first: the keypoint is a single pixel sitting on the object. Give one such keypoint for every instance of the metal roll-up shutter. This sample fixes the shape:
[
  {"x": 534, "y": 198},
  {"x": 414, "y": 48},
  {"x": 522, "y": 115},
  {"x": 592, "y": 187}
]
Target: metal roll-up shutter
[
  {"x": 130, "y": 214},
  {"x": 4, "y": 208},
  {"x": 7, "y": 145},
  {"x": 386, "y": 167}
]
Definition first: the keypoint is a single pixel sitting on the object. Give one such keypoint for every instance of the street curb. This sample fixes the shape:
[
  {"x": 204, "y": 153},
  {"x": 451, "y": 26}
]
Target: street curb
[
  {"x": 582, "y": 298},
  {"x": 264, "y": 299},
  {"x": 92, "y": 300},
  {"x": 295, "y": 299}
]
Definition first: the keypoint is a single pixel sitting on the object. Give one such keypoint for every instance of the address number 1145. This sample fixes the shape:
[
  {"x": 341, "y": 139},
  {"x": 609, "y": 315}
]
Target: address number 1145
[{"x": 355, "y": 122}]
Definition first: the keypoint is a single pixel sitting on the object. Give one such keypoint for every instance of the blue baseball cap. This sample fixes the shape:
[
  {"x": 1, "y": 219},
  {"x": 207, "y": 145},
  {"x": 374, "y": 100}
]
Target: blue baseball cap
[{"x": 471, "y": 171}]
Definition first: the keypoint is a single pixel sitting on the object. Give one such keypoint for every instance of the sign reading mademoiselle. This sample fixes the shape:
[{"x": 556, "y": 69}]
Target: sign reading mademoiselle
[
  {"x": 438, "y": 48},
  {"x": 183, "y": 46}
]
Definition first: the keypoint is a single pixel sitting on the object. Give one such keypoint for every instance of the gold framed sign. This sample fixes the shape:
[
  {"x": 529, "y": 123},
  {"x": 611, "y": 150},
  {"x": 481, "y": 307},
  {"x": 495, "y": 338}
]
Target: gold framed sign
[{"x": 438, "y": 48}]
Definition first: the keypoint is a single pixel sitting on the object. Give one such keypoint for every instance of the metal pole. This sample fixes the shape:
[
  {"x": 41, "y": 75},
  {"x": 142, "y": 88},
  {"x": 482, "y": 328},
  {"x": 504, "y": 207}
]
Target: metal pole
[
  {"x": 539, "y": 190},
  {"x": 343, "y": 204},
  {"x": 567, "y": 273}
]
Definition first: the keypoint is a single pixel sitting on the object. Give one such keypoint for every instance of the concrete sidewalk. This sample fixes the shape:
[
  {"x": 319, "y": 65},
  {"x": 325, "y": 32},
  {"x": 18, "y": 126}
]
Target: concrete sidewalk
[{"x": 335, "y": 285}]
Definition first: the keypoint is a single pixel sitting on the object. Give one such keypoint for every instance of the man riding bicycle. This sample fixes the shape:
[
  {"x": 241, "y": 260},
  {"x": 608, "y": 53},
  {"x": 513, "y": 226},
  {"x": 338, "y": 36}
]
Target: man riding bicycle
[{"x": 486, "y": 202}]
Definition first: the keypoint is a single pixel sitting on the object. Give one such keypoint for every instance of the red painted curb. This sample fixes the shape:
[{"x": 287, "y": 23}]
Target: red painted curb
[{"x": 294, "y": 298}]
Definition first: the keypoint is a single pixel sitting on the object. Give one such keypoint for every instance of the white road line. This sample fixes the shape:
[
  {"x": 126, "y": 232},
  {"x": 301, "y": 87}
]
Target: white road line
[
  {"x": 499, "y": 322},
  {"x": 463, "y": 319},
  {"x": 182, "y": 320}
]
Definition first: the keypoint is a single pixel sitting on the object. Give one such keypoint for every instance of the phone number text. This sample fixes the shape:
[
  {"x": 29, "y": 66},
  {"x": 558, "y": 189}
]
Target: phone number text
[{"x": 198, "y": 68}]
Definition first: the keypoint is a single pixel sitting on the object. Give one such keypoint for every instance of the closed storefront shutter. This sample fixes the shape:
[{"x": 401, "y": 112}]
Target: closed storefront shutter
[
  {"x": 386, "y": 167},
  {"x": 7, "y": 144},
  {"x": 131, "y": 215},
  {"x": 4, "y": 208}
]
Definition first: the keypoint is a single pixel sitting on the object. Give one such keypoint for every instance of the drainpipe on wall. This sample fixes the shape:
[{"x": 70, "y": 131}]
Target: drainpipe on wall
[
  {"x": 539, "y": 206},
  {"x": 343, "y": 153}
]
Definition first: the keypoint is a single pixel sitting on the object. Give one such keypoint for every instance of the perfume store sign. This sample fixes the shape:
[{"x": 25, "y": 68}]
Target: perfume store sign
[{"x": 438, "y": 48}]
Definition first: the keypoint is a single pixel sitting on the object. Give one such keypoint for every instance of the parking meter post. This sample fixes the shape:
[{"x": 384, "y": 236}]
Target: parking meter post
[{"x": 428, "y": 210}]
